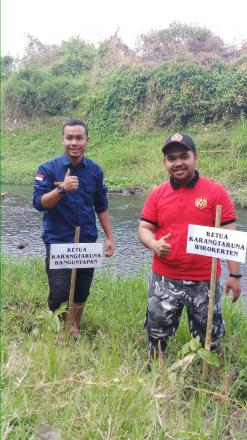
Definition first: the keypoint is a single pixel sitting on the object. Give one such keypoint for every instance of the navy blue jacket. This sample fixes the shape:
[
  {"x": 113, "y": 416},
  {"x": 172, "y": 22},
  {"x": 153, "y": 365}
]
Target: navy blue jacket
[{"x": 76, "y": 208}]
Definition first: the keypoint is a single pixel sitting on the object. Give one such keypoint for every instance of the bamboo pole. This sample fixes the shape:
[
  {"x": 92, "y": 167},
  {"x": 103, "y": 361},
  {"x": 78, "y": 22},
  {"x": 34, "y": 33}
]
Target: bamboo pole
[{"x": 208, "y": 339}]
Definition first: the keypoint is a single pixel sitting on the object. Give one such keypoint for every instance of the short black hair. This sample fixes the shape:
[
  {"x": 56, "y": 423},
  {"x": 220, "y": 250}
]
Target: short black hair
[{"x": 72, "y": 122}]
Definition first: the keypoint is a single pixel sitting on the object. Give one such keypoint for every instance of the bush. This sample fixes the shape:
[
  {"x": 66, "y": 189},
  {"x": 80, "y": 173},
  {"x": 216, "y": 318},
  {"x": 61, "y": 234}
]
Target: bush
[
  {"x": 183, "y": 93},
  {"x": 78, "y": 58},
  {"x": 20, "y": 92},
  {"x": 32, "y": 90},
  {"x": 115, "y": 93},
  {"x": 119, "y": 98},
  {"x": 56, "y": 97}
]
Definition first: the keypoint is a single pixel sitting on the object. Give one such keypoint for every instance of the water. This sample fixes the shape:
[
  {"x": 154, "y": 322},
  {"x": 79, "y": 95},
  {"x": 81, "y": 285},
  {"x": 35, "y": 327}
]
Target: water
[{"x": 22, "y": 227}]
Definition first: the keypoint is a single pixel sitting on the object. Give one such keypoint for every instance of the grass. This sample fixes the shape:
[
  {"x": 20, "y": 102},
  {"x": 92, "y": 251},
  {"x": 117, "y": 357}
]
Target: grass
[
  {"x": 98, "y": 388},
  {"x": 131, "y": 161}
]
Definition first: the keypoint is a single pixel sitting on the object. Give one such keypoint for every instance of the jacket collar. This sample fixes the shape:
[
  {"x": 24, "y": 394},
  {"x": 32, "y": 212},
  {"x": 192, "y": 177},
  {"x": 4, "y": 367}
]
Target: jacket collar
[{"x": 67, "y": 161}]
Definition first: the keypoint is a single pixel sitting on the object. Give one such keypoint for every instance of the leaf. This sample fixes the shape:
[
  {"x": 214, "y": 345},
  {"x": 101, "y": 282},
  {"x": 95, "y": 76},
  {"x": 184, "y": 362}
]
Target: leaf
[
  {"x": 195, "y": 343},
  {"x": 185, "y": 349},
  {"x": 57, "y": 323},
  {"x": 40, "y": 317},
  {"x": 209, "y": 357},
  {"x": 183, "y": 363},
  {"x": 61, "y": 309}
]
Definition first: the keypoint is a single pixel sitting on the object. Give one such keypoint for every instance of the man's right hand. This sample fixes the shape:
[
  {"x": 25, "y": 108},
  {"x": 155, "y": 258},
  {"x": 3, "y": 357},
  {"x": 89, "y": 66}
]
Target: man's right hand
[
  {"x": 161, "y": 247},
  {"x": 70, "y": 183}
]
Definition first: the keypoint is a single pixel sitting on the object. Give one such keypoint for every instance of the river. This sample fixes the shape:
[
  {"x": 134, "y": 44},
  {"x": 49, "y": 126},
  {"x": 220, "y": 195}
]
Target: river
[{"x": 22, "y": 229}]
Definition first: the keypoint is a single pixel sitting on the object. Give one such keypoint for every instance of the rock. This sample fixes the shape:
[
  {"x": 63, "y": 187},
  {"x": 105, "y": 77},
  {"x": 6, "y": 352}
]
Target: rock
[
  {"x": 22, "y": 245},
  {"x": 46, "y": 432},
  {"x": 127, "y": 191}
]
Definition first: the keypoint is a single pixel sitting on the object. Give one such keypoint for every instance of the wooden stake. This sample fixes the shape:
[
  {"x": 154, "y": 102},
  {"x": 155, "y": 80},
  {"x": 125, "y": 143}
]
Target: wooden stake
[
  {"x": 208, "y": 339},
  {"x": 73, "y": 271},
  {"x": 70, "y": 314}
]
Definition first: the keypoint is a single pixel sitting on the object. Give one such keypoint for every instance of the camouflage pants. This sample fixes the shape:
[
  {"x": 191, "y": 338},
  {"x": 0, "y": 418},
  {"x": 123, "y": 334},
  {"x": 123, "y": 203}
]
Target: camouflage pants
[{"x": 167, "y": 298}]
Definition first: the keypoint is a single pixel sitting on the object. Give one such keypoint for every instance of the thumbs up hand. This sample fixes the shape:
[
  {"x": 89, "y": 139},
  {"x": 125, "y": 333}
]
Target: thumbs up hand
[
  {"x": 70, "y": 183},
  {"x": 161, "y": 247}
]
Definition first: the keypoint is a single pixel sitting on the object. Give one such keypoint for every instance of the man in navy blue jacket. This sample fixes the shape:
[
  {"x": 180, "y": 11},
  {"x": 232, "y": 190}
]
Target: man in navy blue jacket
[{"x": 70, "y": 190}]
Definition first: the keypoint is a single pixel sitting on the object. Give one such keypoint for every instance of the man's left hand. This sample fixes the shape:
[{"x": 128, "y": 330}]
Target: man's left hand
[
  {"x": 109, "y": 248},
  {"x": 233, "y": 284}
]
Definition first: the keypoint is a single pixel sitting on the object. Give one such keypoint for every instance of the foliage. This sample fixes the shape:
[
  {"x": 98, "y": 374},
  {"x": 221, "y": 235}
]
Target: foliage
[
  {"x": 118, "y": 98},
  {"x": 33, "y": 48},
  {"x": 128, "y": 95},
  {"x": 117, "y": 89},
  {"x": 7, "y": 66},
  {"x": 128, "y": 104},
  {"x": 39, "y": 54},
  {"x": 47, "y": 380},
  {"x": 34, "y": 91},
  {"x": 78, "y": 57},
  {"x": 192, "y": 351},
  {"x": 181, "y": 42},
  {"x": 20, "y": 91},
  {"x": 133, "y": 160},
  {"x": 112, "y": 51},
  {"x": 56, "y": 96},
  {"x": 182, "y": 93}
]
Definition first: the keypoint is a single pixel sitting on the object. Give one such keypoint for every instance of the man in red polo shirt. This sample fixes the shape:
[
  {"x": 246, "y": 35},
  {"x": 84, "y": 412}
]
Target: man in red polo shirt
[{"x": 180, "y": 279}]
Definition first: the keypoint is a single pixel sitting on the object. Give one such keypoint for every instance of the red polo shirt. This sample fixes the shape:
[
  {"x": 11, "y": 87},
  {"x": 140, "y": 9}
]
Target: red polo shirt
[{"x": 172, "y": 210}]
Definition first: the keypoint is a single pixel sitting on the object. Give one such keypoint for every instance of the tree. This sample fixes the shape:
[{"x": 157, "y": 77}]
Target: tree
[
  {"x": 37, "y": 53},
  {"x": 182, "y": 42},
  {"x": 8, "y": 65}
]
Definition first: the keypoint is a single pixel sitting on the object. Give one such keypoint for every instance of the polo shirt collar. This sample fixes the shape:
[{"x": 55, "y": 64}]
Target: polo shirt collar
[
  {"x": 175, "y": 184},
  {"x": 67, "y": 161}
]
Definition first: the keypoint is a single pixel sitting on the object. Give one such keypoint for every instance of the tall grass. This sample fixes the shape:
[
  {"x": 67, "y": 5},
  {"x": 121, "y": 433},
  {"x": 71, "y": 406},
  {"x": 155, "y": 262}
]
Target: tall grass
[
  {"x": 134, "y": 160},
  {"x": 98, "y": 388}
]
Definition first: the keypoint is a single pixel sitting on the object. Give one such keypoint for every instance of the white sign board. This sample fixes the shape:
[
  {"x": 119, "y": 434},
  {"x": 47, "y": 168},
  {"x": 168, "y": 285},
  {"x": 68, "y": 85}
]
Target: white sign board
[
  {"x": 217, "y": 242},
  {"x": 76, "y": 255}
]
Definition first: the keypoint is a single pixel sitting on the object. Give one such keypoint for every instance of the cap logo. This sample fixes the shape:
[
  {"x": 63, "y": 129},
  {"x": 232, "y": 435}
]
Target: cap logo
[
  {"x": 177, "y": 137},
  {"x": 201, "y": 202}
]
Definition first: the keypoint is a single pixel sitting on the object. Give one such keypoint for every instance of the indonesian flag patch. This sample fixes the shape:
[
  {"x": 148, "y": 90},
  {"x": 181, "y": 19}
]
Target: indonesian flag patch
[{"x": 39, "y": 177}]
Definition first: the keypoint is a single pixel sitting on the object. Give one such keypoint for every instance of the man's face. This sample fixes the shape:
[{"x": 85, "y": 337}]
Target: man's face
[
  {"x": 75, "y": 142},
  {"x": 180, "y": 163}
]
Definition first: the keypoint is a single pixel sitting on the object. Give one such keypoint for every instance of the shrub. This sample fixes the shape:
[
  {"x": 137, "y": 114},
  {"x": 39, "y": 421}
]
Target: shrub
[
  {"x": 119, "y": 97},
  {"x": 56, "y": 97},
  {"x": 32, "y": 90},
  {"x": 183, "y": 93},
  {"x": 20, "y": 92},
  {"x": 78, "y": 57}
]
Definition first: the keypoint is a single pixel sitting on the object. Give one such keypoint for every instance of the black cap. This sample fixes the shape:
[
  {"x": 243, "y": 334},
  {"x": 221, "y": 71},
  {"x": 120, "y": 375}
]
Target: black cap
[{"x": 180, "y": 139}]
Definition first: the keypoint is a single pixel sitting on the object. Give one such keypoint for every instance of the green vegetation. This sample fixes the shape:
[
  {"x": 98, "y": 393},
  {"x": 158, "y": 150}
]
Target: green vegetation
[
  {"x": 170, "y": 93},
  {"x": 98, "y": 388},
  {"x": 134, "y": 160},
  {"x": 179, "y": 75},
  {"x": 180, "y": 78}
]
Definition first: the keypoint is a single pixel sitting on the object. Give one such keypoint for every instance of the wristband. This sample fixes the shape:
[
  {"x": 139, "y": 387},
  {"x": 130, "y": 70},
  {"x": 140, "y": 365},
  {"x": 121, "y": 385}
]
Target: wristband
[{"x": 234, "y": 275}]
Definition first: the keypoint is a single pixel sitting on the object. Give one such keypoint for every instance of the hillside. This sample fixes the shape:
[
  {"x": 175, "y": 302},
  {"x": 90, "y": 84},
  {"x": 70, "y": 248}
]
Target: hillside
[
  {"x": 182, "y": 77},
  {"x": 134, "y": 160}
]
